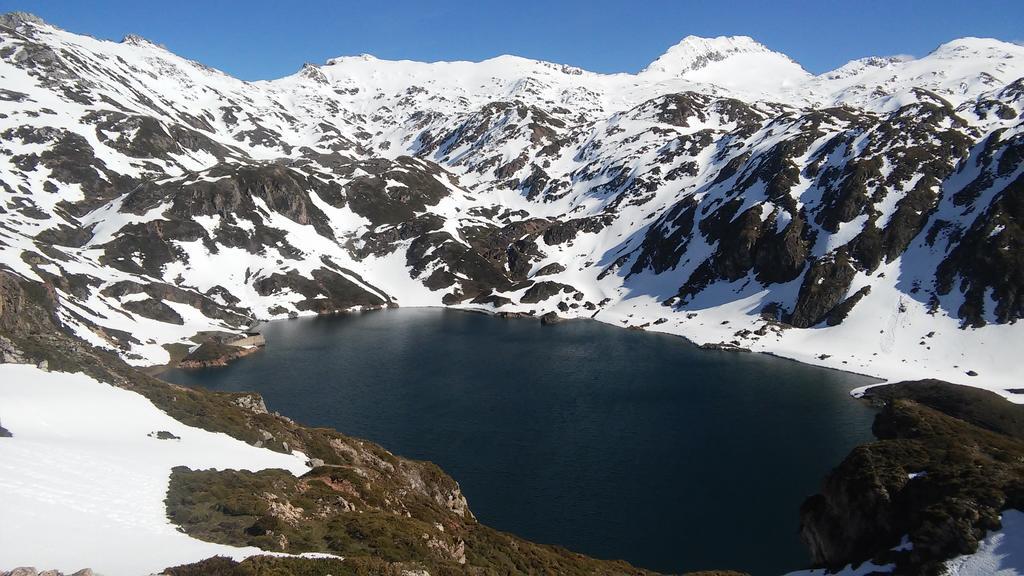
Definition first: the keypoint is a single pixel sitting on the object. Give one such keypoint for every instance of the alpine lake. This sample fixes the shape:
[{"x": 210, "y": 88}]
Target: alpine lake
[{"x": 615, "y": 443}]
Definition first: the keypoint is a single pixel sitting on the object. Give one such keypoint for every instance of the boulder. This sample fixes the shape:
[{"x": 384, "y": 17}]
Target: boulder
[{"x": 551, "y": 318}]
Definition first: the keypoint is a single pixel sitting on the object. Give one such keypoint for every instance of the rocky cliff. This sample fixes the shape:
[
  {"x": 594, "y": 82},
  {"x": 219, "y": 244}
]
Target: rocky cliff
[{"x": 947, "y": 461}]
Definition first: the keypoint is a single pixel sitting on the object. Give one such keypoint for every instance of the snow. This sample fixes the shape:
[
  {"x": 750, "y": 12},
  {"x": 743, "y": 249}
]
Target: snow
[
  {"x": 863, "y": 570},
  {"x": 81, "y": 462},
  {"x": 83, "y": 484},
  {"x": 611, "y": 135},
  {"x": 610, "y": 129},
  {"x": 1000, "y": 553}
]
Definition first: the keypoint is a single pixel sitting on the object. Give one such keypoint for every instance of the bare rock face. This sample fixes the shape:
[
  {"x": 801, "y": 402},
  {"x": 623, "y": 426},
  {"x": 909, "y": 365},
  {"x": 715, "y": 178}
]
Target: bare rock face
[
  {"x": 15, "y": 19},
  {"x": 990, "y": 256},
  {"x": 823, "y": 288},
  {"x": 543, "y": 290}
]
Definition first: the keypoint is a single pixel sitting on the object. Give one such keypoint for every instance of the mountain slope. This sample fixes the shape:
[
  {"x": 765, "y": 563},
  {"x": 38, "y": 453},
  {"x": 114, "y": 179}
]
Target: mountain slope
[{"x": 867, "y": 219}]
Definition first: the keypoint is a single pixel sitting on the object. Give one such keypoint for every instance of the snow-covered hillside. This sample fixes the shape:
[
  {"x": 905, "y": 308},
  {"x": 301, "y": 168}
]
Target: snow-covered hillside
[
  {"x": 86, "y": 459},
  {"x": 867, "y": 219}
]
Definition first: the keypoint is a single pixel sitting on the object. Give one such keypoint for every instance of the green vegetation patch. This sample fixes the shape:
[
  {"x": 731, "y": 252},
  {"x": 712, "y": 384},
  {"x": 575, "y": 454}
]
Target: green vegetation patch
[
  {"x": 338, "y": 510},
  {"x": 941, "y": 480},
  {"x": 277, "y": 566}
]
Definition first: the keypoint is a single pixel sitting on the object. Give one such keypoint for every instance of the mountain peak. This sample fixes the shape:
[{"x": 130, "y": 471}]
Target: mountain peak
[
  {"x": 695, "y": 52},
  {"x": 136, "y": 40},
  {"x": 16, "y": 19},
  {"x": 364, "y": 57},
  {"x": 972, "y": 47},
  {"x": 314, "y": 73}
]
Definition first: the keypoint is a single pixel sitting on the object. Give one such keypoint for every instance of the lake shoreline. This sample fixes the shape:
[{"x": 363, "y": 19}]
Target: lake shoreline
[
  {"x": 157, "y": 369},
  {"x": 614, "y": 409}
]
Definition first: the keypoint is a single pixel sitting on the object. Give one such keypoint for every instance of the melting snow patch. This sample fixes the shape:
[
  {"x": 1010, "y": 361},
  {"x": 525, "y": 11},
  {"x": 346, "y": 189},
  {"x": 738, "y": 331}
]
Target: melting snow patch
[
  {"x": 1001, "y": 553},
  {"x": 904, "y": 545}
]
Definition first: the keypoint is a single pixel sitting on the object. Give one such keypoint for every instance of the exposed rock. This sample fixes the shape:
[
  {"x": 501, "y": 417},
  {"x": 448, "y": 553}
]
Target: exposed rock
[
  {"x": 341, "y": 292},
  {"x": 16, "y": 19},
  {"x": 551, "y": 318},
  {"x": 723, "y": 346},
  {"x": 989, "y": 259},
  {"x": 878, "y": 494},
  {"x": 543, "y": 290},
  {"x": 9, "y": 354},
  {"x": 553, "y": 268},
  {"x": 507, "y": 314},
  {"x": 843, "y": 309},
  {"x": 210, "y": 354},
  {"x": 823, "y": 288},
  {"x": 251, "y": 402}
]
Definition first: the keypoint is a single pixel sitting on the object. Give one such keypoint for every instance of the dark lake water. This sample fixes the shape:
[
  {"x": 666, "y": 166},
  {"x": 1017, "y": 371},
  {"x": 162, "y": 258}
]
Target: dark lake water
[{"x": 615, "y": 443}]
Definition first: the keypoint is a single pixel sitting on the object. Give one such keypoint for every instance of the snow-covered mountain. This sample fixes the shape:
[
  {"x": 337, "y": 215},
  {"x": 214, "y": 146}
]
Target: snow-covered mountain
[{"x": 867, "y": 219}]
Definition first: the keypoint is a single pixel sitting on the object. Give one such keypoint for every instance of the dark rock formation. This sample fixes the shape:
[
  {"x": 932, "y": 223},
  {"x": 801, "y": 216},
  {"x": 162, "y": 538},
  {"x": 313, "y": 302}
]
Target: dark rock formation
[
  {"x": 543, "y": 290},
  {"x": 213, "y": 353},
  {"x": 553, "y": 268},
  {"x": 824, "y": 287},
  {"x": 551, "y": 318},
  {"x": 940, "y": 478},
  {"x": 990, "y": 256}
]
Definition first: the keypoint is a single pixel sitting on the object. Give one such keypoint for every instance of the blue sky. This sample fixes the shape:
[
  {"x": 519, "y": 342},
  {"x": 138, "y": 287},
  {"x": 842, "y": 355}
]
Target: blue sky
[{"x": 262, "y": 39}]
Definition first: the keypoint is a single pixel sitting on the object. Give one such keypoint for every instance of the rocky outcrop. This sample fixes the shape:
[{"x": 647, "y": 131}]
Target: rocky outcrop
[
  {"x": 551, "y": 318},
  {"x": 213, "y": 353},
  {"x": 362, "y": 504},
  {"x": 948, "y": 460},
  {"x": 824, "y": 288},
  {"x": 154, "y": 309},
  {"x": 9, "y": 354},
  {"x": 326, "y": 292},
  {"x": 989, "y": 260},
  {"x": 543, "y": 290},
  {"x": 252, "y": 402}
]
